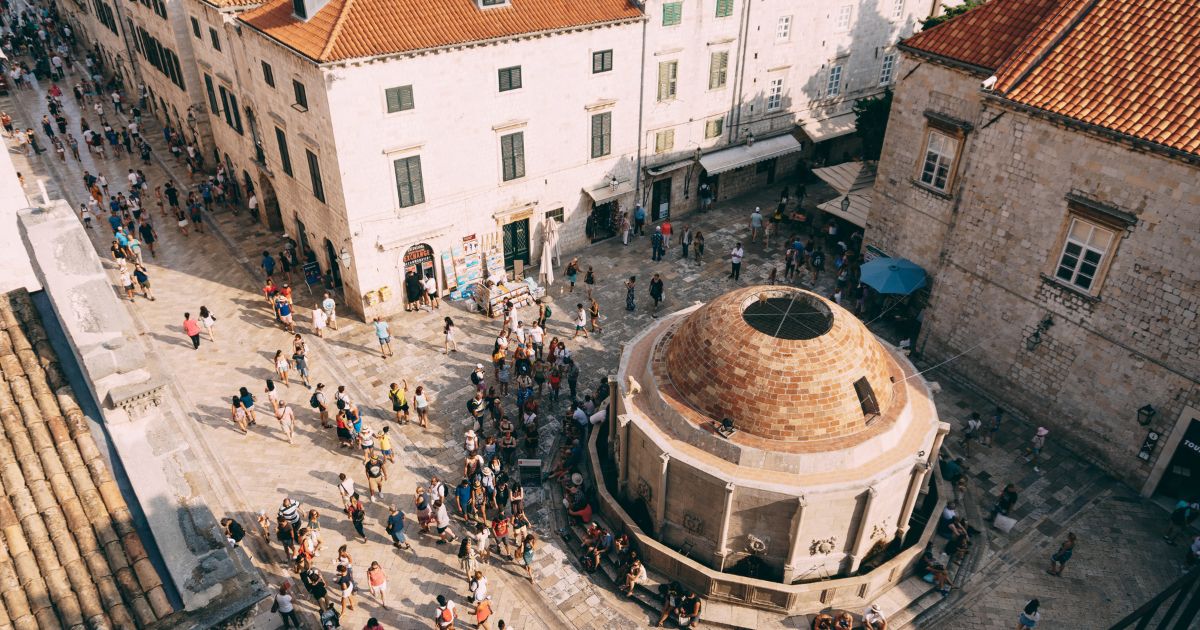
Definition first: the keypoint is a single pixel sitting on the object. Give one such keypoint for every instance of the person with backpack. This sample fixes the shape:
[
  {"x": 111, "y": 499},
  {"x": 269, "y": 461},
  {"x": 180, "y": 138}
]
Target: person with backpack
[
  {"x": 817, "y": 262},
  {"x": 317, "y": 401},
  {"x": 445, "y": 614},
  {"x": 544, "y": 313},
  {"x": 1182, "y": 516},
  {"x": 399, "y": 398}
]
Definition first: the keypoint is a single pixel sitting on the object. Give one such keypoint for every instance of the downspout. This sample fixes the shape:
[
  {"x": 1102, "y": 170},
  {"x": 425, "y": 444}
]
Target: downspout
[
  {"x": 740, "y": 70},
  {"x": 637, "y": 182}
]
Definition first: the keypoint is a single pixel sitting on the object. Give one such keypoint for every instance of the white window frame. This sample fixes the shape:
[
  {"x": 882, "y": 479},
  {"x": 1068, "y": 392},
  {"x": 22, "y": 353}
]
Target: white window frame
[
  {"x": 783, "y": 28},
  {"x": 1071, "y": 267},
  {"x": 845, "y": 15},
  {"x": 938, "y": 160},
  {"x": 775, "y": 95},
  {"x": 898, "y": 9},
  {"x": 887, "y": 70},
  {"x": 833, "y": 81}
]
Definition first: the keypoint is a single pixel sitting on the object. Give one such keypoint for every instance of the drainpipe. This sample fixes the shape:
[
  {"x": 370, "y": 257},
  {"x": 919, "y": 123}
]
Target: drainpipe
[
  {"x": 740, "y": 71},
  {"x": 637, "y": 181}
]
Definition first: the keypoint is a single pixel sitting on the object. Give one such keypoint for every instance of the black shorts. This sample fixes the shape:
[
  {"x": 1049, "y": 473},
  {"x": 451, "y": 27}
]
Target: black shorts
[{"x": 396, "y": 407}]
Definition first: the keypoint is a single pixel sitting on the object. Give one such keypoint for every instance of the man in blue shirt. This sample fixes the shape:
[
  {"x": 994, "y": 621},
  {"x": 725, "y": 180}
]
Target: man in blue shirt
[
  {"x": 385, "y": 339},
  {"x": 268, "y": 263},
  {"x": 639, "y": 220}
]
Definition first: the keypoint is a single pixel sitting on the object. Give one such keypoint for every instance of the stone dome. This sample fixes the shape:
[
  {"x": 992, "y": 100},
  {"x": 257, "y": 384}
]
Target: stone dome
[{"x": 782, "y": 363}]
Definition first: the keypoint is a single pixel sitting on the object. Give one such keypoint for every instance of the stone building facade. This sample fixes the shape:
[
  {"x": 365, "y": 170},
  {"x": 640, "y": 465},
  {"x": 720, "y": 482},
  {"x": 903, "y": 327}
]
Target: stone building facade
[{"x": 1061, "y": 251}]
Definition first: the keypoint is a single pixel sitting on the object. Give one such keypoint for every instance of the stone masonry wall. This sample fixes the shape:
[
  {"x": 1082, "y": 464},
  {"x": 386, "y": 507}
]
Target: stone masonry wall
[{"x": 1136, "y": 342}]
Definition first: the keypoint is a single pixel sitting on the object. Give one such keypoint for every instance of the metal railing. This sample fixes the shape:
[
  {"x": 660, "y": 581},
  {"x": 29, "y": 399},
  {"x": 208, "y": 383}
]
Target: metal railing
[{"x": 1183, "y": 600}]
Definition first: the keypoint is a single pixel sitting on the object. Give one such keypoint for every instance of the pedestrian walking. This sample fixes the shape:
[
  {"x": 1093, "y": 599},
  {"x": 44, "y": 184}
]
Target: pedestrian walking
[
  {"x": 997, "y": 418},
  {"x": 735, "y": 260},
  {"x": 395, "y": 528},
  {"x": 358, "y": 516},
  {"x": 685, "y": 241},
  {"x": 594, "y": 311},
  {"x": 1006, "y": 502},
  {"x": 1036, "y": 444},
  {"x": 345, "y": 584},
  {"x": 284, "y": 605},
  {"x": 666, "y": 232},
  {"x": 282, "y": 367},
  {"x": 1059, "y": 560},
  {"x": 589, "y": 279},
  {"x": 399, "y": 398},
  {"x": 483, "y": 613},
  {"x": 330, "y": 308},
  {"x": 1181, "y": 518},
  {"x": 581, "y": 321},
  {"x": 656, "y": 244},
  {"x": 572, "y": 273},
  {"x": 698, "y": 243},
  {"x": 126, "y": 281},
  {"x": 756, "y": 224},
  {"x": 1029, "y": 618},
  {"x": 143, "y": 280},
  {"x": 319, "y": 402},
  {"x": 656, "y": 292},
  {"x": 639, "y": 220},
  {"x": 445, "y": 615},
  {"x": 272, "y": 396},
  {"x": 319, "y": 320},
  {"x": 421, "y": 402},
  {"x": 300, "y": 358},
  {"x": 630, "y": 299},
  {"x": 377, "y": 580},
  {"x": 442, "y": 522},
  {"x": 287, "y": 421},
  {"x": 448, "y": 330},
  {"x": 625, "y": 228},
  {"x": 191, "y": 328},
  {"x": 468, "y": 558},
  {"x": 283, "y": 312},
  {"x": 971, "y": 434},
  {"x": 237, "y": 413},
  {"x": 527, "y": 548},
  {"x": 385, "y": 339},
  {"x": 376, "y": 470}
]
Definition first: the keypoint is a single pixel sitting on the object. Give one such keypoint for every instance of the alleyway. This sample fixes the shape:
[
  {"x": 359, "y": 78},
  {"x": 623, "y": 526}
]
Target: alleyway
[{"x": 1119, "y": 562}]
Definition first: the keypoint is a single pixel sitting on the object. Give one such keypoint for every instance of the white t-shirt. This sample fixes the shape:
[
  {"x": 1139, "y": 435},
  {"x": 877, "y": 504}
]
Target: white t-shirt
[
  {"x": 536, "y": 333},
  {"x": 430, "y": 285},
  {"x": 581, "y": 318},
  {"x": 285, "y": 602},
  {"x": 736, "y": 254}
]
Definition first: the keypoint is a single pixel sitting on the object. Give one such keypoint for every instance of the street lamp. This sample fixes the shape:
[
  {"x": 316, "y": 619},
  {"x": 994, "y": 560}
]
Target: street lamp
[
  {"x": 845, "y": 205},
  {"x": 1146, "y": 415},
  {"x": 345, "y": 258}
]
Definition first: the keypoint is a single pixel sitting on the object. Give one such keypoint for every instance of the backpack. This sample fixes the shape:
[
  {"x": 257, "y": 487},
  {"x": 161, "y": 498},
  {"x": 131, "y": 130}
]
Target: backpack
[
  {"x": 548, "y": 311},
  {"x": 314, "y": 402}
]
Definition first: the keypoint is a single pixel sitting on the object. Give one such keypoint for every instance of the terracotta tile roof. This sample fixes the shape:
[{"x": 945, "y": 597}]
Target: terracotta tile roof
[
  {"x": 69, "y": 554},
  {"x": 348, "y": 29},
  {"x": 1129, "y": 66},
  {"x": 985, "y": 36}
]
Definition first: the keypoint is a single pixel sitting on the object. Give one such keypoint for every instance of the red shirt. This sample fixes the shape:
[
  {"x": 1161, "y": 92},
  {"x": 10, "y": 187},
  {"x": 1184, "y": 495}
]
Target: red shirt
[{"x": 190, "y": 327}]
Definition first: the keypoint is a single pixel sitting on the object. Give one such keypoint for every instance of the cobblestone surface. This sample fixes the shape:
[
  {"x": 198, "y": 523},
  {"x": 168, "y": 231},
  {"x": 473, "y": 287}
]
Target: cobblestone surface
[{"x": 1119, "y": 561}]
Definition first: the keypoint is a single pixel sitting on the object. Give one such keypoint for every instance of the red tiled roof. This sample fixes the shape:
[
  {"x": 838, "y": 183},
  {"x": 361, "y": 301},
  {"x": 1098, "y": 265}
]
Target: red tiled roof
[
  {"x": 349, "y": 29},
  {"x": 1128, "y": 66},
  {"x": 986, "y": 35}
]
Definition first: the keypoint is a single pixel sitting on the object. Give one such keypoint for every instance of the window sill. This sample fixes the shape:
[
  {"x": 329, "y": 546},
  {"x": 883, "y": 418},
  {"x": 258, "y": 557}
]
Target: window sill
[
  {"x": 930, "y": 189},
  {"x": 300, "y": 108},
  {"x": 1055, "y": 282}
]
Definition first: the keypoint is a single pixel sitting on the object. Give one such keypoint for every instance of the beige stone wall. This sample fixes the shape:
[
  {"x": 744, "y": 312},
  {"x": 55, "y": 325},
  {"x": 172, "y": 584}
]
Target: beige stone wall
[{"x": 1137, "y": 344}]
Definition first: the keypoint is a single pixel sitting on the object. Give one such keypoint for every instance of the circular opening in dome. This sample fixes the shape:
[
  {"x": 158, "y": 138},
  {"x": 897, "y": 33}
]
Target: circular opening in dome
[{"x": 796, "y": 316}]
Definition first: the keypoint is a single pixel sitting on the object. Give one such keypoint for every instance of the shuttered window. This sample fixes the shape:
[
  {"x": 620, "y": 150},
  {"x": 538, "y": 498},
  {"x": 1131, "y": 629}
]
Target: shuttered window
[
  {"x": 399, "y": 98},
  {"x": 212, "y": 95},
  {"x": 510, "y": 78},
  {"x": 672, "y": 13},
  {"x": 668, "y": 75},
  {"x": 714, "y": 127},
  {"x": 601, "y": 61},
  {"x": 724, "y": 8},
  {"x": 664, "y": 141},
  {"x": 718, "y": 69},
  {"x": 285, "y": 158},
  {"x": 601, "y": 134},
  {"x": 512, "y": 155},
  {"x": 409, "y": 186},
  {"x": 268, "y": 74},
  {"x": 314, "y": 175}
]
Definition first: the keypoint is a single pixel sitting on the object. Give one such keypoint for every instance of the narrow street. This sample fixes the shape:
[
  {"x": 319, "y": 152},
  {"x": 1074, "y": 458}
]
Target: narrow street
[{"x": 1120, "y": 560}]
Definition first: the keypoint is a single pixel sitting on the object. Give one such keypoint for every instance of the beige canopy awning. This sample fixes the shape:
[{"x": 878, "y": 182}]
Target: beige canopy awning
[
  {"x": 856, "y": 211},
  {"x": 746, "y": 154},
  {"x": 829, "y": 128},
  {"x": 668, "y": 167},
  {"x": 606, "y": 193},
  {"x": 848, "y": 177}
]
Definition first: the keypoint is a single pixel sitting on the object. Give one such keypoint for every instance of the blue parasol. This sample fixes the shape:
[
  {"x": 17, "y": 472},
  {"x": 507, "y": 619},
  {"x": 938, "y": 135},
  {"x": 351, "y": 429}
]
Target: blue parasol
[{"x": 895, "y": 276}]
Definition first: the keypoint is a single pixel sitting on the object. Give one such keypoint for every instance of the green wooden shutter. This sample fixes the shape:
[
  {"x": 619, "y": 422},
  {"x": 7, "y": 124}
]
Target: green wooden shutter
[
  {"x": 399, "y": 98},
  {"x": 717, "y": 69},
  {"x": 512, "y": 155},
  {"x": 724, "y": 8},
  {"x": 601, "y": 134},
  {"x": 212, "y": 94},
  {"x": 672, "y": 13}
]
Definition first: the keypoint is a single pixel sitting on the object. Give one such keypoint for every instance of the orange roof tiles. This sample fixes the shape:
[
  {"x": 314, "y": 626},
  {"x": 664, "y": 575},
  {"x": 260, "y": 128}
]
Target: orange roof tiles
[
  {"x": 985, "y": 36},
  {"x": 1128, "y": 66},
  {"x": 349, "y": 29}
]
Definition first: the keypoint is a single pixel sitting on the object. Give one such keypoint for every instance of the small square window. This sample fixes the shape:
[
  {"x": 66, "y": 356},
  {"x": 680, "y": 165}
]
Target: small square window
[
  {"x": 714, "y": 127},
  {"x": 268, "y": 74},
  {"x": 602, "y": 61},
  {"x": 1084, "y": 250},
  {"x": 783, "y": 28},
  {"x": 399, "y": 99},
  {"x": 724, "y": 8},
  {"x": 510, "y": 78},
  {"x": 196, "y": 28},
  {"x": 301, "y": 96},
  {"x": 664, "y": 141},
  {"x": 672, "y": 13}
]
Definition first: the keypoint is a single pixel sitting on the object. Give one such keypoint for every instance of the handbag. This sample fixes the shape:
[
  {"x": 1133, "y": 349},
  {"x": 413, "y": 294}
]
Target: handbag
[{"x": 1004, "y": 523}]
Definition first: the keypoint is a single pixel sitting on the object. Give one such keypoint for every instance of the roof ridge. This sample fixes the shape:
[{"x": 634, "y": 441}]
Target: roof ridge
[
  {"x": 347, "y": 5},
  {"x": 1047, "y": 35}
]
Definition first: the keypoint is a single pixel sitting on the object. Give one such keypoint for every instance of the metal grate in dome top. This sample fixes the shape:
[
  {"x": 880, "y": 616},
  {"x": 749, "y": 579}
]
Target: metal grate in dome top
[{"x": 796, "y": 317}]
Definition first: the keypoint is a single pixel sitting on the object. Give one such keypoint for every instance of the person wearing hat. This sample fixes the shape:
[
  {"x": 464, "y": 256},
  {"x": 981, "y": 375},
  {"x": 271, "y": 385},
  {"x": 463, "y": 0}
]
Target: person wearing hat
[
  {"x": 478, "y": 379},
  {"x": 1035, "y": 447},
  {"x": 873, "y": 619}
]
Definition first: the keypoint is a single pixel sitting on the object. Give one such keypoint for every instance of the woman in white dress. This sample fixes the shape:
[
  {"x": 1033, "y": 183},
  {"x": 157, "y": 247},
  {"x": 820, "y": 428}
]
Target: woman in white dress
[
  {"x": 449, "y": 330},
  {"x": 282, "y": 365},
  {"x": 319, "y": 320},
  {"x": 208, "y": 320}
]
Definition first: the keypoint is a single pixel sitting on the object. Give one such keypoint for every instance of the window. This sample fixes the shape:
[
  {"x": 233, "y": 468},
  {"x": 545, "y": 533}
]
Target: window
[
  {"x": 195, "y": 27},
  {"x": 399, "y": 99},
  {"x": 833, "y": 86},
  {"x": 724, "y": 8},
  {"x": 672, "y": 13},
  {"x": 601, "y": 134},
  {"x": 714, "y": 127},
  {"x": 940, "y": 151},
  {"x": 216, "y": 41},
  {"x": 844, "y": 13},
  {"x": 492, "y": 3},
  {"x": 510, "y": 78},
  {"x": 668, "y": 76},
  {"x": 775, "y": 95},
  {"x": 512, "y": 155},
  {"x": 229, "y": 107},
  {"x": 409, "y": 187},
  {"x": 268, "y": 74},
  {"x": 212, "y": 95},
  {"x": 299, "y": 9},
  {"x": 718, "y": 69},
  {"x": 314, "y": 174},
  {"x": 285, "y": 158},
  {"x": 664, "y": 141},
  {"x": 1083, "y": 251},
  {"x": 601, "y": 61},
  {"x": 866, "y": 397},
  {"x": 237, "y": 113},
  {"x": 783, "y": 28},
  {"x": 888, "y": 69},
  {"x": 556, "y": 214},
  {"x": 301, "y": 96},
  {"x": 897, "y": 9}
]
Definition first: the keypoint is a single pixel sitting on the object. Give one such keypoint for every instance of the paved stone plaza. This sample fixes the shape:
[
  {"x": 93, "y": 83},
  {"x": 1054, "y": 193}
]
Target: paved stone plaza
[{"x": 1119, "y": 562}]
